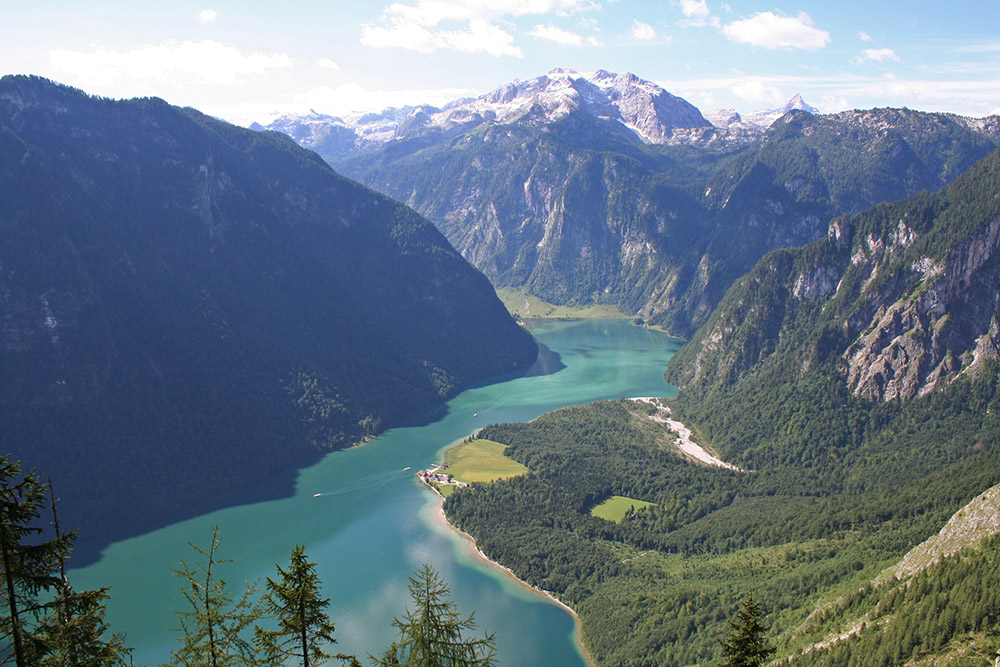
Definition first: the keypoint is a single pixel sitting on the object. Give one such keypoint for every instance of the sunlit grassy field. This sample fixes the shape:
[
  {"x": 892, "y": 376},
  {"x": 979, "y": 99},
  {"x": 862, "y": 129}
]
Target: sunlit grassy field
[
  {"x": 481, "y": 461},
  {"x": 527, "y": 306},
  {"x": 617, "y": 508}
]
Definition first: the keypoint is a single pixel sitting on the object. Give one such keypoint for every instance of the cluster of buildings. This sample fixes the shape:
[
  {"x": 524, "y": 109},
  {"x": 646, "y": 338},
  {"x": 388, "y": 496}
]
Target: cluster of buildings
[{"x": 434, "y": 475}]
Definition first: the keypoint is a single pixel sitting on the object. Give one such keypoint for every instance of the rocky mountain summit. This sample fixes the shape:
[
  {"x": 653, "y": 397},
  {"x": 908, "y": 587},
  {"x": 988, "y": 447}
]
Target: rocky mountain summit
[
  {"x": 766, "y": 117},
  {"x": 646, "y": 110},
  {"x": 642, "y": 106}
]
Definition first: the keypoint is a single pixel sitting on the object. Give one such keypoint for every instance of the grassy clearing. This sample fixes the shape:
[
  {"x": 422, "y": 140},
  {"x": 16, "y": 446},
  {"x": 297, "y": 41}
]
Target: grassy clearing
[
  {"x": 528, "y": 306},
  {"x": 445, "y": 489},
  {"x": 617, "y": 508},
  {"x": 481, "y": 461}
]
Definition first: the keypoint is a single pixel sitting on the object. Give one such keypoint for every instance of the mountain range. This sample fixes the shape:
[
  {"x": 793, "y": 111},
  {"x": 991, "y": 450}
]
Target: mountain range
[
  {"x": 187, "y": 307},
  {"x": 836, "y": 277},
  {"x": 647, "y": 110},
  {"x": 604, "y": 188}
]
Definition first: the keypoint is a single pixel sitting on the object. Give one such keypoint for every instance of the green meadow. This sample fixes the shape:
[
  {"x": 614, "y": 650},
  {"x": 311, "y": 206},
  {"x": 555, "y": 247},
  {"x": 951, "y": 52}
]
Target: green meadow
[
  {"x": 617, "y": 508},
  {"x": 528, "y": 306},
  {"x": 481, "y": 461}
]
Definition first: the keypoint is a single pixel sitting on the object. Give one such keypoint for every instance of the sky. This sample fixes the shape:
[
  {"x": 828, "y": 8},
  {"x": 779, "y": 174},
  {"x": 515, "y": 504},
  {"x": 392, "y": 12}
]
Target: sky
[{"x": 246, "y": 60}]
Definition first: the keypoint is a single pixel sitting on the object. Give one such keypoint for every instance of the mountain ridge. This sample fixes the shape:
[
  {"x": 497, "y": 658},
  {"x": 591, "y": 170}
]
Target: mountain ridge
[
  {"x": 578, "y": 211},
  {"x": 188, "y": 306},
  {"x": 648, "y": 111},
  {"x": 903, "y": 290}
]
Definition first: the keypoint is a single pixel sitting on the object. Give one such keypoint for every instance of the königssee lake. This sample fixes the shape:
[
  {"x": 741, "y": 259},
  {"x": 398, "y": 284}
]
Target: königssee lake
[{"x": 374, "y": 524}]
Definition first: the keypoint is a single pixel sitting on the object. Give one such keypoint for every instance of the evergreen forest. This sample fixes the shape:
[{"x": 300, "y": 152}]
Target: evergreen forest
[{"x": 854, "y": 383}]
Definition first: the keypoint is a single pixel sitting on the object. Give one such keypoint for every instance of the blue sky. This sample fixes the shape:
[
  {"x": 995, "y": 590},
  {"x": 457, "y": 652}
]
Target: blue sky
[{"x": 245, "y": 60}]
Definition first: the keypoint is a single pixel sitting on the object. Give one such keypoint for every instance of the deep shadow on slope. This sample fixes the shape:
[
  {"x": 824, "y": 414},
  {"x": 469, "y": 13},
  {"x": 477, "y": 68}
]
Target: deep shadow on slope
[
  {"x": 281, "y": 484},
  {"x": 187, "y": 307}
]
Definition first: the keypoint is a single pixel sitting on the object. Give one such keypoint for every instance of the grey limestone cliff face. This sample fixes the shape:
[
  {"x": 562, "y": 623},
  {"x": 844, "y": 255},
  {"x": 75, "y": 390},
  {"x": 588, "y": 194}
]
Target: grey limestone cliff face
[
  {"x": 900, "y": 298},
  {"x": 945, "y": 324}
]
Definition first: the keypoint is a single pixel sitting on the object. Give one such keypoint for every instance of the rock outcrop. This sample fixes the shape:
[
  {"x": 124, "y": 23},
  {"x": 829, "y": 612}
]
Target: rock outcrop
[{"x": 905, "y": 294}]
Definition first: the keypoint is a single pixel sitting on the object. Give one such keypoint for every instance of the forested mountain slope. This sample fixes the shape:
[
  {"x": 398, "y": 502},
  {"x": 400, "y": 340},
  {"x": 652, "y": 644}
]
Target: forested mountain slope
[
  {"x": 895, "y": 300},
  {"x": 855, "y": 382},
  {"x": 187, "y": 306},
  {"x": 576, "y": 211}
]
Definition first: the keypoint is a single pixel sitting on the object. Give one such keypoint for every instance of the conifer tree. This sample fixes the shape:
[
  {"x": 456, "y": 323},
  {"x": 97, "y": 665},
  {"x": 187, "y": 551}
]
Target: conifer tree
[
  {"x": 746, "y": 645},
  {"x": 74, "y": 632},
  {"x": 215, "y": 626},
  {"x": 431, "y": 635},
  {"x": 29, "y": 566},
  {"x": 294, "y": 601}
]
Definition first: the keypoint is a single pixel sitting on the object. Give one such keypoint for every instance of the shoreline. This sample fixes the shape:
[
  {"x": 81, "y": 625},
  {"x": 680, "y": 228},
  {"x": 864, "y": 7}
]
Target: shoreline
[{"x": 438, "y": 515}]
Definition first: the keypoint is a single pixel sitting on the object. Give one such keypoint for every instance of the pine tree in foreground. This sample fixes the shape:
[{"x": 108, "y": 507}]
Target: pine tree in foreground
[
  {"x": 74, "y": 632},
  {"x": 214, "y": 628},
  {"x": 28, "y": 569},
  {"x": 44, "y": 622},
  {"x": 746, "y": 645},
  {"x": 431, "y": 634},
  {"x": 304, "y": 629}
]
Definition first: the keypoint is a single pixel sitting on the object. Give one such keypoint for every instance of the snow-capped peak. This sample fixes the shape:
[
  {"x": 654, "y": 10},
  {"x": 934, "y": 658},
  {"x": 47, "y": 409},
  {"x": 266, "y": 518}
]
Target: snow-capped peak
[
  {"x": 640, "y": 105},
  {"x": 767, "y": 116},
  {"x": 625, "y": 100}
]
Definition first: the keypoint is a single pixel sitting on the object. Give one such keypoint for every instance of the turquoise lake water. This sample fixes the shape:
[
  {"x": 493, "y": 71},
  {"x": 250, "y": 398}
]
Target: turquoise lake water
[{"x": 374, "y": 524}]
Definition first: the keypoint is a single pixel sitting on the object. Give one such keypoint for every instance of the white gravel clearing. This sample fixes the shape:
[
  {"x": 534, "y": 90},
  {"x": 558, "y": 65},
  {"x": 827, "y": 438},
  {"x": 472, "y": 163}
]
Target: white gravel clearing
[{"x": 688, "y": 447}]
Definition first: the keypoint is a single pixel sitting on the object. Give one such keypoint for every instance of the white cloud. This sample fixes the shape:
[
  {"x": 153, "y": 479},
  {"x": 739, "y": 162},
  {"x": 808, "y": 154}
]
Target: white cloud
[
  {"x": 418, "y": 26},
  {"x": 834, "y": 103},
  {"x": 757, "y": 92},
  {"x": 481, "y": 37},
  {"x": 642, "y": 31},
  {"x": 897, "y": 91},
  {"x": 329, "y": 64},
  {"x": 876, "y": 55},
  {"x": 207, "y": 15},
  {"x": 354, "y": 98},
  {"x": 773, "y": 31},
  {"x": 204, "y": 61},
  {"x": 555, "y": 34},
  {"x": 864, "y": 36},
  {"x": 564, "y": 37},
  {"x": 477, "y": 37},
  {"x": 697, "y": 14},
  {"x": 403, "y": 36},
  {"x": 434, "y": 12},
  {"x": 696, "y": 9}
]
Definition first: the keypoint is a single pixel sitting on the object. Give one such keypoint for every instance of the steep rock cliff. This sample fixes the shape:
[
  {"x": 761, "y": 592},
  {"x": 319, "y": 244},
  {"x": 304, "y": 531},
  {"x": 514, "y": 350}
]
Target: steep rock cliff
[{"x": 903, "y": 296}]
